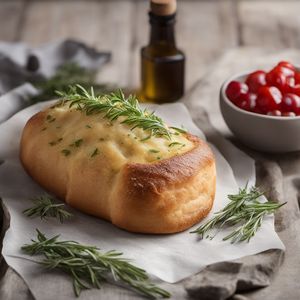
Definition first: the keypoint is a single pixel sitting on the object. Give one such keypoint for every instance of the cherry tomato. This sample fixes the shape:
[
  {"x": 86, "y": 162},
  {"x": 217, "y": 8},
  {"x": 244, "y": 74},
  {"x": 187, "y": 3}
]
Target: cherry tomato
[
  {"x": 286, "y": 64},
  {"x": 290, "y": 84},
  {"x": 235, "y": 89},
  {"x": 268, "y": 98},
  {"x": 247, "y": 101},
  {"x": 277, "y": 78},
  {"x": 275, "y": 93},
  {"x": 290, "y": 103},
  {"x": 276, "y": 113},
  {"x": 288, "y": 114},
  {"x": 256, "y": 80},
  {"x": 297, "y": 78},
  {"x": 295, "y": 90},
  {"x": 286, "y": 71}
]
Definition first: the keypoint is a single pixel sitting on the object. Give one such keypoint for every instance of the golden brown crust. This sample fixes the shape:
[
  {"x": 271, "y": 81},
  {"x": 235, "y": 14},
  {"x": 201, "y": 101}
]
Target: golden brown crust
[
  {"x": 166, "y": 196},
  {"x": 161, "y": 194}
]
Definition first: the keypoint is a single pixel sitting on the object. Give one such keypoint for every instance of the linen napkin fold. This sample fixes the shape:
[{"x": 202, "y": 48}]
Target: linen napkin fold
[{"x": 19, "y": 63}]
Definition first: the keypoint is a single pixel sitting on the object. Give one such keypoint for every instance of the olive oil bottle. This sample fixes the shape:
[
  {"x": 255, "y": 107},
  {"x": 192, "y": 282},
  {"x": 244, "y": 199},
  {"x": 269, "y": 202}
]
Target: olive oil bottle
[{"x": 162, "y": 67}]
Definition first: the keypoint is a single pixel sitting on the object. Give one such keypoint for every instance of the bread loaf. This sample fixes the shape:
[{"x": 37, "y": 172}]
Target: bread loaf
[{"x": 137, "y": 180}]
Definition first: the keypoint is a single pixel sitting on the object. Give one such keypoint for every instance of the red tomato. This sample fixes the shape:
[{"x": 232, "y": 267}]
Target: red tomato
[
  {"x": 268, "y": 98},
  {"x": 256, "y": 80},
  {"x": 276, "y": 113},
  {"x": 286, "y": 64},
  {"x": 277, "y": 78},
  {"x": 287, "y": 72},
  {"x": 296, "y": 90},
  {"x": 290, "y": 84},
  {"x": 235, "y": 89},
  {"x": 247, "y": 101},
  {"x": 297, "y": 78},
  {"x": 275, "y": 93},
  {"x": 290, "y": 103}
]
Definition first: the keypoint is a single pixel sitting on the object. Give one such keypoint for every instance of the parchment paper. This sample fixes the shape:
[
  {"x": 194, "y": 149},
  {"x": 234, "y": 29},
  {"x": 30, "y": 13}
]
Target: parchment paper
[{"x": 169, "y": 257}]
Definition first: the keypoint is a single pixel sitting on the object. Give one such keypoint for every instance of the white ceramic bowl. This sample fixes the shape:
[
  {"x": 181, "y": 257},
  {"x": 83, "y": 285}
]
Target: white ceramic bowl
[{"x": 260, "y": 132}]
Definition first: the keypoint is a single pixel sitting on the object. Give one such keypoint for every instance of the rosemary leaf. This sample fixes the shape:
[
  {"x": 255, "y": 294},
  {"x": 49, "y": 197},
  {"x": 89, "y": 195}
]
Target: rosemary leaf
[
  {"x": 175, "y": 144},
  {"x": 88, "y": 267},
  {"x": 95, "y": 152},
  {"x": 244, "y": 211},
  {"x": 180, "y": 130},
  {"x": 114, "y": 106},
  {"x": 153, "y": 151},
  {"x": 77, "y": 143},
  {"x": 66, "y": 152},
  {"x": 66, "y": 75},
  {"x": 44, "y": 206}
]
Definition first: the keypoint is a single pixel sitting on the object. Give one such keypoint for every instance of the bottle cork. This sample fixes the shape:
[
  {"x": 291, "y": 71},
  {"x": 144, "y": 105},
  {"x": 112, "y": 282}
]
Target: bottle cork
[{"x": 163, "y": 7}]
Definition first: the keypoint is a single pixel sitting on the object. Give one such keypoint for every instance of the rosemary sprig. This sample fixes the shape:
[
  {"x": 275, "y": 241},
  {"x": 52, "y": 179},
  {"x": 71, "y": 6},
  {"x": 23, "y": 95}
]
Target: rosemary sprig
[
  {"x": 66, "y": 75},
  {"x": 116, "y": 105},
  {"x": 89, "y": 267},
  {"x": 44, "y": 206},
  {"x": 243, "y": 210}
]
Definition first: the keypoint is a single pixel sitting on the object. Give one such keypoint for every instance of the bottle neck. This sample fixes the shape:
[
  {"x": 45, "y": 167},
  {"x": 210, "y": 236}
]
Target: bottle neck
[{"x": 162, "y": 29}]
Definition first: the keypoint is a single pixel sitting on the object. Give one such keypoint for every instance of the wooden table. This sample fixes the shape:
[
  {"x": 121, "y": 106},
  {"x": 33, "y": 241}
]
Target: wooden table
[{"x": 205, "y": 30}]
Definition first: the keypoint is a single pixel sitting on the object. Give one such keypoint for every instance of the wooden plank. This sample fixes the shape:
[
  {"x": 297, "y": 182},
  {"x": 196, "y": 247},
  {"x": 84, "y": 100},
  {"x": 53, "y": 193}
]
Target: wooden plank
[
  {"x": 269, "y": 23},
  {"x": 114, "y": 34},
  {"x": 140, "y": 36},
  {"x": 103, "y": 24},
  {"x": 10, "y": 19},
  {"x": 204, "y": 30}
]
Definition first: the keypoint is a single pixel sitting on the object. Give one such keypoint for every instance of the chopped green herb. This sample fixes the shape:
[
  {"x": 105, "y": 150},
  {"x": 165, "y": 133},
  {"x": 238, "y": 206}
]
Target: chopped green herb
[
  {"x": 77, "y": 143},
  {"x": 175, "y": 144},
  {"x": 66, "y": 152},
  {"x": 95, "y": 152},
  {"x": 53, "y": 143},
  {"x": 88, "y": 126},
  {"x": 158, "y": 157},
  {"x": 153, "y": 151},
  {"x": 50, "y": 118},
  {"x": 145, "y": 138},
  {"x": 180, "y": 130}
]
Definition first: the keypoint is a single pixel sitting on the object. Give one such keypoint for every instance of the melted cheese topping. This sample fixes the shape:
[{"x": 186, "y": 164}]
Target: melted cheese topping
[{"x": 71, "y": 131}]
